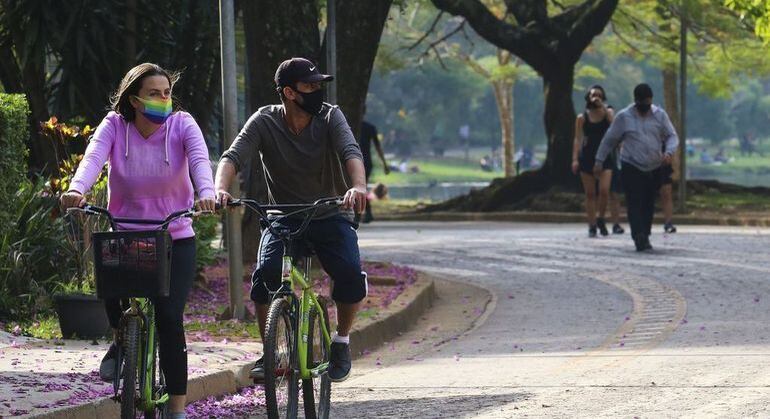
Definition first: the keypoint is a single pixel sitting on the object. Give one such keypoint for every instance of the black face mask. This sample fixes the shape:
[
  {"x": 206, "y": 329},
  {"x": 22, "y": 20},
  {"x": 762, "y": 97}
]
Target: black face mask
[
  {"x": 643, "y": 107},
  {"x": 594, "y": 104},
  {"x": 311, "y": 102}
]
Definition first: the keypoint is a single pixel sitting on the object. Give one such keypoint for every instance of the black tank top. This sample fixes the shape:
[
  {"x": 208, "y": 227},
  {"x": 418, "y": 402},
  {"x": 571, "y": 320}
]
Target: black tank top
[{"x": 593, "y": 132}]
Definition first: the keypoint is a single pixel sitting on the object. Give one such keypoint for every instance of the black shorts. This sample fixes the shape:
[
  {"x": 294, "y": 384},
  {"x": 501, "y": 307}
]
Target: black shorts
[
  {"x": 335, "y": 242},
  {"x": 587, "y": 164},
  {"x": 666, "y": 173},
  {"x": 616, "y": 186}
]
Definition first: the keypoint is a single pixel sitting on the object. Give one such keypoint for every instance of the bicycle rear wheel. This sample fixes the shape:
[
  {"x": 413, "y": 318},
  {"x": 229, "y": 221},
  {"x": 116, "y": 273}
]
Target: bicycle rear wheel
[
  {"x": 316, "y": 391},
  {"x": 280, "y": 361},
  {"x": 131, "y": 342}
]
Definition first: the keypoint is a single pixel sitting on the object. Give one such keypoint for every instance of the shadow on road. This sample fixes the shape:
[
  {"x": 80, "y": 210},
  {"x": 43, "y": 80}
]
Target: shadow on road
[{"x": 438, "y": 406}]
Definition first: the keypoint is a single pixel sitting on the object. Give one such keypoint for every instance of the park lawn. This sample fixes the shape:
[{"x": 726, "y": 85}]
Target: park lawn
[
  {"x": 753, "y": 163},
  {"x": 434, "y": 170},
  {"x": 705, "y": 202},
  {"x": 728, "y": 202}
]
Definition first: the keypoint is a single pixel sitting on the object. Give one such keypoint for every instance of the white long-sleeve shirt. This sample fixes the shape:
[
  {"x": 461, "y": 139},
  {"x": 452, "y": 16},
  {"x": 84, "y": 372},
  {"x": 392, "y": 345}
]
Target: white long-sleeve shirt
[{"x": 643, "y": 138}]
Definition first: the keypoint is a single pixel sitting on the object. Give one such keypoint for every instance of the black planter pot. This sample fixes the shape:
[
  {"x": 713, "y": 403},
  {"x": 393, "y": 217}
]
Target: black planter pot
[{"x": 81, "y": 316}]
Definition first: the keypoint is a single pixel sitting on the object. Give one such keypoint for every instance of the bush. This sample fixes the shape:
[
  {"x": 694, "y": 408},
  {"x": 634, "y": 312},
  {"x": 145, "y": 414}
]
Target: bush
[
  {"x": 13, "y": 154},
  {"x": 41, "y": 252},
  {"x": 205, "y": 233},
  {"x": 34, "y": 254}
]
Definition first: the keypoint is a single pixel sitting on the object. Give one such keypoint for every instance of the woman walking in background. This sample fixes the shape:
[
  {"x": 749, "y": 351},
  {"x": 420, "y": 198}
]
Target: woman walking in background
[{"x": 590, "y": 127}]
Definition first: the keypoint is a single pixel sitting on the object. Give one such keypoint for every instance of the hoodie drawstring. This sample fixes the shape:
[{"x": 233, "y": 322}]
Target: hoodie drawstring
[{"x": 165, "y": 141}]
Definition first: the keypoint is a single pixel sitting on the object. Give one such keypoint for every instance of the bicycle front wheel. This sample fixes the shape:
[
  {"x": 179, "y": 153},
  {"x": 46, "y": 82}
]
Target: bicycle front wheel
[
  {"x": 131, "y": 342},
  {"x": 280, "y": 361},
  {"x": 158, "y": 388},
  {"x": 316, "y": 391}
]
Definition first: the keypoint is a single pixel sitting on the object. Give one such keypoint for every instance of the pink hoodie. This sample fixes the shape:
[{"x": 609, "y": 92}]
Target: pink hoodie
[{"x": 149, "y": 178}]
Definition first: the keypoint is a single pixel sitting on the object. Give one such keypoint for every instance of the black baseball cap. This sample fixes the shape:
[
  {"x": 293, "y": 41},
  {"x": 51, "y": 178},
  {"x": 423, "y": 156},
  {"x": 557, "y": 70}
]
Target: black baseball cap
[{"x": 296, "y": 70}]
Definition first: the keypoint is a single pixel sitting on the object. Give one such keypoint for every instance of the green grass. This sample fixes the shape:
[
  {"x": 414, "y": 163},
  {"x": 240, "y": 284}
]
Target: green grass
[
  {"x": 434, "y": 170},
  {"x": 367, "y": 314},
  {"x": 728, "y": 202},
  {"x": 46, "y": 327},
  {"x": 225, "y": 328}
]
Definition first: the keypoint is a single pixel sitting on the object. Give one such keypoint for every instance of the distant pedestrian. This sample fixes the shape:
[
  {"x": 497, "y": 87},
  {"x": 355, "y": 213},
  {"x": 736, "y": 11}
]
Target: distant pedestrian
[
  {"x": 368, "y": 137},
  {"x": 590, "y": 127},
  {"x": 643, "y": 128},
  {"x": 667, "y": 196}
]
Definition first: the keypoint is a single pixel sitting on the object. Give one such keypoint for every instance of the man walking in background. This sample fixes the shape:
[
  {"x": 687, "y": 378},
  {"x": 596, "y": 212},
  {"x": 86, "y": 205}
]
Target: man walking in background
[
  {"x": 369, "y": 137},
  {"x": 644, "y": 129}
]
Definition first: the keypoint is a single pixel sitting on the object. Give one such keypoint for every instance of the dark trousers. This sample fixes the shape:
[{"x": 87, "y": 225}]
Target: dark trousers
[
  {"x": 169, "y": 316},
  {"x": 641, "y": 188},
  {"x": 335, "y": 242}
]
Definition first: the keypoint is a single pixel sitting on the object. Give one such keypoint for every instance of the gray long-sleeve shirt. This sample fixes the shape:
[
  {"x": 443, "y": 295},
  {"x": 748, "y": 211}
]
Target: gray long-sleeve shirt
[
  {"x": 302, "y": 168},
  {"x": 642, "y": 136}
]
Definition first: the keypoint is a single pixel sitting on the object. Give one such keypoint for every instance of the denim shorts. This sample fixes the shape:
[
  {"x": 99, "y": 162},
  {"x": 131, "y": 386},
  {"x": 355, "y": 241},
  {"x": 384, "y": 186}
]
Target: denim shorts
[{"x": 334, "y": 241}]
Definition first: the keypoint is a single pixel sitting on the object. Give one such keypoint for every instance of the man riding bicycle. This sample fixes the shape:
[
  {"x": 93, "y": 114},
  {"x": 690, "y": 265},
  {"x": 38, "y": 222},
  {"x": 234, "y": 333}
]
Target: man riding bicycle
[{"x": 303, "y": 145}]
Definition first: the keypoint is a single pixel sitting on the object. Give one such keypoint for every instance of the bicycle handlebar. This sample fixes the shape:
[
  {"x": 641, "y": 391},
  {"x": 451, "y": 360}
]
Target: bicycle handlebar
[
  {"x": 292, "y": 209},
  {"x": 98, "y": 211}
]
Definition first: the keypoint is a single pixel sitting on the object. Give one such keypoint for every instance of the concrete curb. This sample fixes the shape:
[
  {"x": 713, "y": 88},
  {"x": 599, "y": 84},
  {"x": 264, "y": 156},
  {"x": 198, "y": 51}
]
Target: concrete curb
[
  {"x": 568, "y": 217},
  {"x": 410, "y": 304},
  {"x": 366, "y": 334}
]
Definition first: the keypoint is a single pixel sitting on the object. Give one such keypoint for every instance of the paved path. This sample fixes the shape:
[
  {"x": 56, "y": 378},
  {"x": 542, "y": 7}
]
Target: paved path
[{"x": 578, "y": 327}]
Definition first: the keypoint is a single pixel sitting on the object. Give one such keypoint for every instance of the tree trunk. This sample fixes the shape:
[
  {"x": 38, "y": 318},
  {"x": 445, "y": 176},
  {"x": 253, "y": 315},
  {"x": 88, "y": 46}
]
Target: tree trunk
[
  {"x": 274, "y": 31},
  {"x": 559, "y": 124},
  {"x": 359, "y": 28},
  {"x": 130, "y": 34},
  {"x": 671, "y": 104},
  {"x": 42, "y": 153},
  {"x": 504, "y": 98}
]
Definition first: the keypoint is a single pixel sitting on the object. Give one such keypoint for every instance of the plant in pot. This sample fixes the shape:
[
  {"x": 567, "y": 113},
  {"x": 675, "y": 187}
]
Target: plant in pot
[{"x": 80, "y": 313}]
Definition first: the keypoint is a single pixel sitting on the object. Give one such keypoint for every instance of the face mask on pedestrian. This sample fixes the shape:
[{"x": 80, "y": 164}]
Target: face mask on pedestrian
[
  {"x": 156, "y": 111},
  {"x": 595, "y": 103},
  {"x": 311, "y": 102},
  {"x": 643, "y": 107}
]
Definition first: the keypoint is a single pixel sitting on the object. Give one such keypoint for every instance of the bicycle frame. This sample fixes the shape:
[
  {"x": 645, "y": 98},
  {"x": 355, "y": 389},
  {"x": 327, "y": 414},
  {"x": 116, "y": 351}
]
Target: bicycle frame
[
  {"x": 307, "y": 300},
  {"x": 143, "y": 308},
  {"x": 291, "y": 275}
]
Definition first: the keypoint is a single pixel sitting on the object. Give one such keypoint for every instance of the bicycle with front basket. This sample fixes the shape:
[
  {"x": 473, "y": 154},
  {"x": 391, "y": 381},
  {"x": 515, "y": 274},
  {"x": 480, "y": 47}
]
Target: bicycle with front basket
[
  {"x": 134, "y": 266},
  {"x": 297, "y": 343}
]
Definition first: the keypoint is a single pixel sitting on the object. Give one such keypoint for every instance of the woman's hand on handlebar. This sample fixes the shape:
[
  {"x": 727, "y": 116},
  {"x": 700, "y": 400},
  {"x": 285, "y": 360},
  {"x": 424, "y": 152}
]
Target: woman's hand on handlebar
[
  {"x": 355, "y": 198},
  {"x": 72, "y": 199},
  {"x": 207, "y": 205}
]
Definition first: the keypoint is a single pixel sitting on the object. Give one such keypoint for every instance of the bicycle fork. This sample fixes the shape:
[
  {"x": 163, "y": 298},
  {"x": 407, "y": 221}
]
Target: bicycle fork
[{"x": 149, "y": 366}]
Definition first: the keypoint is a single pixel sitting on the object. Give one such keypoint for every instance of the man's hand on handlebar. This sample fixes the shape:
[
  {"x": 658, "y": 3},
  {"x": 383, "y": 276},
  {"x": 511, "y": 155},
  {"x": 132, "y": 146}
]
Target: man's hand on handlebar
[
  {"x": 223, "y": 198},
  {"x": 355, "y": 198},
  {"x": 72, "y": 199}
]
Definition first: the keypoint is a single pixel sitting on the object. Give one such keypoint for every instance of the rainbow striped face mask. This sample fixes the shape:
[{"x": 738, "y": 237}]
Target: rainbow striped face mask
[{"x": 157, "y": 111}]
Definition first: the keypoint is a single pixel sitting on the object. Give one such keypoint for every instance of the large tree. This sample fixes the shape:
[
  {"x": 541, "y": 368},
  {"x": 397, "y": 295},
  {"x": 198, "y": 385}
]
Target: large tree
[
  {"x": 275, "y": 31},
  {"x": 551, "y": 42},
  {"x": 359, "y": 28}
]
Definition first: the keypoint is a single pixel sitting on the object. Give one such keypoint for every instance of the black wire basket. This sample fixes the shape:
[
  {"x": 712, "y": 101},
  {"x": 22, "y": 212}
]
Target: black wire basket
[{"x": 132, "y": 264}]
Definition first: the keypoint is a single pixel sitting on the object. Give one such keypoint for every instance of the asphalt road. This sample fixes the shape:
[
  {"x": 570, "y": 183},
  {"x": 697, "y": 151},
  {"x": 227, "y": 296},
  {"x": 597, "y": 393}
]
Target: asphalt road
[{"x": 577, "y": 327}]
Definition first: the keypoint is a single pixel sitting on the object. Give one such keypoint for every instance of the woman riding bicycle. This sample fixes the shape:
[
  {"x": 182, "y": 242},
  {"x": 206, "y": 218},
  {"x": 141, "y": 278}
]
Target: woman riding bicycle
[{"x": 155, "y": 158}]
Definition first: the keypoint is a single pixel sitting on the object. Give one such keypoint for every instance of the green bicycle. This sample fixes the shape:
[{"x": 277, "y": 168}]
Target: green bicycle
[
  {"x": 134, "y": 267},
  {"x": 297, "y": 343}
]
